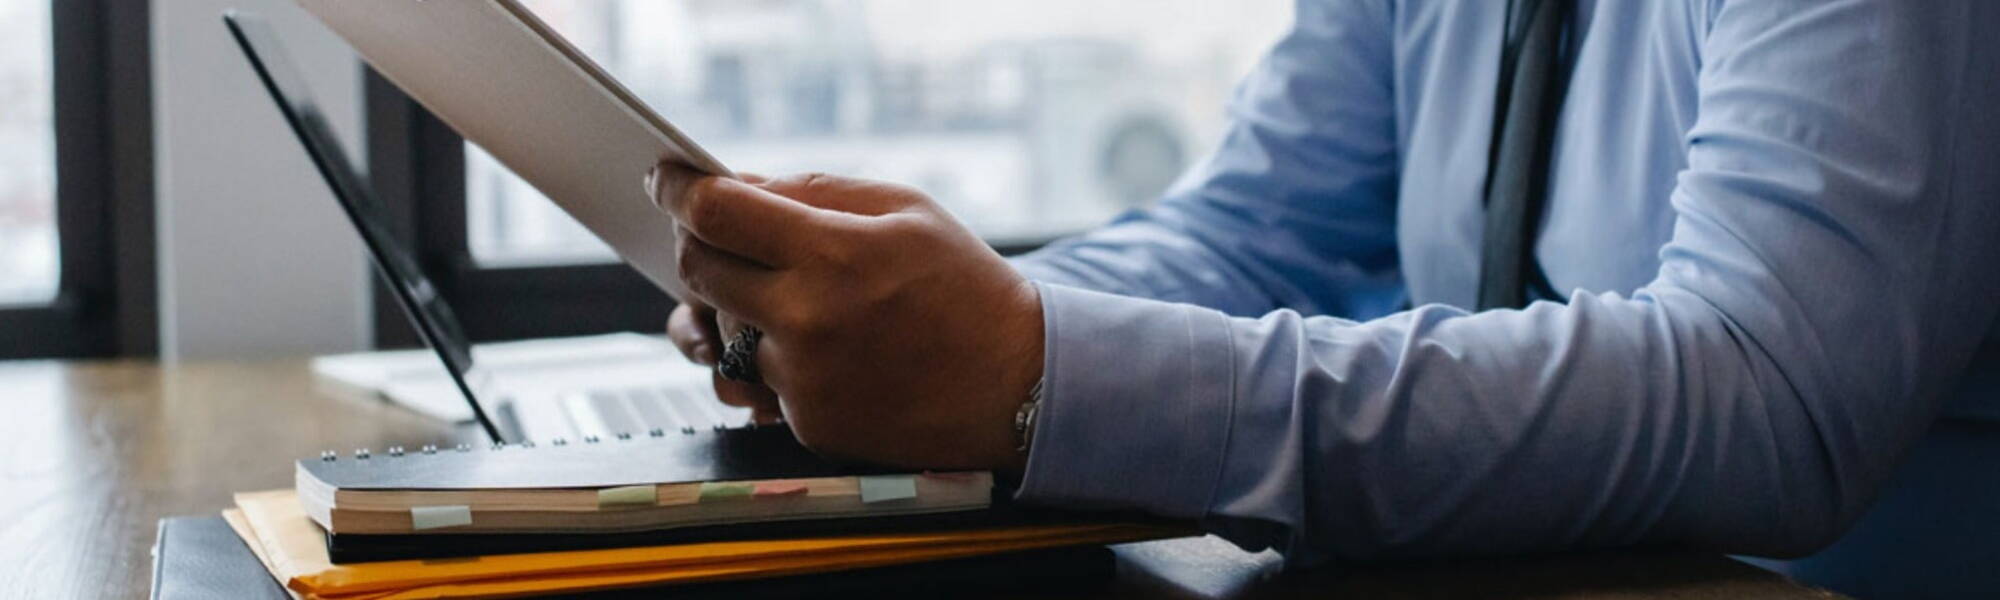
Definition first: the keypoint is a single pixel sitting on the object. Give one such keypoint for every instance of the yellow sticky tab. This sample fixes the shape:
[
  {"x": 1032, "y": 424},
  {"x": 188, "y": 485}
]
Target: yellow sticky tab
[
  {"x": 628, "y": 496},
  {"x": 439, "y": 517}
]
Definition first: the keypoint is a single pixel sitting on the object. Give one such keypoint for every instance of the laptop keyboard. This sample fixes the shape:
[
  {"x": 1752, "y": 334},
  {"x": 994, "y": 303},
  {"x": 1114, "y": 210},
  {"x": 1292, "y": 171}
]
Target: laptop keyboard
[{"x": 640, "y": 410}]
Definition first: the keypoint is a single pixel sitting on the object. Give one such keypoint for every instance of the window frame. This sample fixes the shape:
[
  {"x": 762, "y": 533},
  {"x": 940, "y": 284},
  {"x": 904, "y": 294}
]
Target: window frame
[{"x": 106, "y": 299}]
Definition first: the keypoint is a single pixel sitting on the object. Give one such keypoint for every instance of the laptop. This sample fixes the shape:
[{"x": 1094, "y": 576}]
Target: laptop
[{"x": 552, "y": 415}]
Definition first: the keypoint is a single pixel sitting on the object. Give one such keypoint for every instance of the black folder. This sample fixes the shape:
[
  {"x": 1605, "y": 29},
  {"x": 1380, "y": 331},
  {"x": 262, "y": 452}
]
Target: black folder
[{"x": 199, "y": 558}]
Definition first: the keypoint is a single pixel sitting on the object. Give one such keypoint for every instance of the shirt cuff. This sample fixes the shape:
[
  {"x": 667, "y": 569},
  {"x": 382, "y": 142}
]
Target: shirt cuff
[
  {"x": 1136, "y": 404},
  {"x": 1033, "y": 268}
]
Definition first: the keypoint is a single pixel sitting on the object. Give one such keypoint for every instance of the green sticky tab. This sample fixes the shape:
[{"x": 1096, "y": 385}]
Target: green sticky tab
[
  {"x": 887, "y": 488},
  {"x": 628, "y": 496},
  {"x": 719, "y": 490},
  {"x": 439, "y": 517}
]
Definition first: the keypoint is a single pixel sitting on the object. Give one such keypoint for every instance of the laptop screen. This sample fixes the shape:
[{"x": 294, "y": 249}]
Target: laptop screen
[{"x": 427, "y": 311}]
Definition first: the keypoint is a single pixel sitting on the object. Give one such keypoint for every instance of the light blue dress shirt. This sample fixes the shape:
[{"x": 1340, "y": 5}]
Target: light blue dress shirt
[{"x": 1776, "y": 224}]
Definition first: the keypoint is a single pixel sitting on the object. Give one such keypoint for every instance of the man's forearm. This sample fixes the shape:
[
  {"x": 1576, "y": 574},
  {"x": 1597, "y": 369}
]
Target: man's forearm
[{"x": 1605, "y": 423}]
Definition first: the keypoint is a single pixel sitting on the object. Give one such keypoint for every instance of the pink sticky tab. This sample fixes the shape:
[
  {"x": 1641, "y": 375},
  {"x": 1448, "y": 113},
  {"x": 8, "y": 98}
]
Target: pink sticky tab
[
  {"x": 779, "y": 488},
  {"x": 950, "y": 475}
]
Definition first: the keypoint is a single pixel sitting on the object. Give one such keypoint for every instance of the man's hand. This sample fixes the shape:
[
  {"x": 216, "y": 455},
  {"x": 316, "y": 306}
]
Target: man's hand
[{"x": 891, "y": 333}]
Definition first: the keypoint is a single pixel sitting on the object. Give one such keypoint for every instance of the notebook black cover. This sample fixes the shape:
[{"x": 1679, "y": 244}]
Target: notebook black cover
[
  {"x": 746, "y": 453},
  {"x": 201, "y": 558}
]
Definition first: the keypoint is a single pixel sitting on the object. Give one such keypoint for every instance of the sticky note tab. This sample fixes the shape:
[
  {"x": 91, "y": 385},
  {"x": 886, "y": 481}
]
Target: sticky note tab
[
  {"x": 887, "y": 488},
  {"x": 780, "y": 488},
  {"x": 628, "y": 496},
  {"x": 718, "y": 490},
  {"x": 678, "y": 494},
  {"x": 438, "y": 517}
]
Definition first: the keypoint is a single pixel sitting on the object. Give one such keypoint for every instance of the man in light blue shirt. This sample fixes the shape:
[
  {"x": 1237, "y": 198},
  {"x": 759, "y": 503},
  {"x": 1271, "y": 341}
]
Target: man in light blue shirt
[{"x": 1774, "y": 227}]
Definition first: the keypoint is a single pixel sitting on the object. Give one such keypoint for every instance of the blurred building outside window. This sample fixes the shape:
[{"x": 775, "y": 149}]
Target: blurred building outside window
[
  {"x": 1028, "y": 119},
  {"x": 29, "y": 258}
]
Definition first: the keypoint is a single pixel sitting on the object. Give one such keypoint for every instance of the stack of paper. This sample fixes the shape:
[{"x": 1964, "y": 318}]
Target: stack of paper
[
  {"x": 639, "y": 507},
  {"x": 275, "y": 527}
]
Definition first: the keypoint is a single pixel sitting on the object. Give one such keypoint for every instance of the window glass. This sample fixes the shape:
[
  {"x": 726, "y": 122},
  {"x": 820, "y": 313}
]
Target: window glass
[
  {"x": 1027, "y": 119},
  {"x": 29, "y": 264}
]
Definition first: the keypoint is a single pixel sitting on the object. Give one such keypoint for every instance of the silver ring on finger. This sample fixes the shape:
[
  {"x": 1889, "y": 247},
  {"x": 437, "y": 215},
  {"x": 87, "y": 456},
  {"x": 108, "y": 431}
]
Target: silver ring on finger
[{"x": 739, "y": 357}]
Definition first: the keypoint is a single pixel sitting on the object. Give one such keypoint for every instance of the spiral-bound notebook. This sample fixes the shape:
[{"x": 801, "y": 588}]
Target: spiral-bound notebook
[
  {"x": 629, "y": 483},
  {"x": 652, "y": 489}
]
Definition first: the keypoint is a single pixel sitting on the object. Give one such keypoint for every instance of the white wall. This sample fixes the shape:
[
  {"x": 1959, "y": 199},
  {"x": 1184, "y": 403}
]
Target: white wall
[{"x": 255, "y": 257}]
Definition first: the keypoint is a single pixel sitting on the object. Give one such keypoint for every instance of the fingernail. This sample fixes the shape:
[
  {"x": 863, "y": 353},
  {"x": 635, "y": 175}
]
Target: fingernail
[
  {"x": 704, "y": 353},
  {"x": 653, "y": 180}
]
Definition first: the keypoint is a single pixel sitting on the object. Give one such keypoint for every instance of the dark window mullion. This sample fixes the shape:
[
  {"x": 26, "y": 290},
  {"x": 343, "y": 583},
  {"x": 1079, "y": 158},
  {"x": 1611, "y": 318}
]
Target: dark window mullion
[
  {"x": 82, "y": 173},
  {"x": 125, "y": 33}
]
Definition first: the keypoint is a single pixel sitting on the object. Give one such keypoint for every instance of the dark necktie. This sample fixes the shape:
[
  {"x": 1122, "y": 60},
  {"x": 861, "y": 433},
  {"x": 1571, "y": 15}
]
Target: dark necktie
[{"x": 1530, "y": 94}]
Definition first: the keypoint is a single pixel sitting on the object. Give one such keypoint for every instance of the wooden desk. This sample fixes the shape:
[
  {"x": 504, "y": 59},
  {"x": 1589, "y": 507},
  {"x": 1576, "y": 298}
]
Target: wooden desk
[{"x": 93, "y": 454}]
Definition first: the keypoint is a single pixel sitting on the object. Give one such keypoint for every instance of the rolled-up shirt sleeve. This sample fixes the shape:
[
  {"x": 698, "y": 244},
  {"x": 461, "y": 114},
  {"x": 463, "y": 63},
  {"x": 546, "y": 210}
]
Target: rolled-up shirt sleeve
[{"x": 1832, "y": 269}]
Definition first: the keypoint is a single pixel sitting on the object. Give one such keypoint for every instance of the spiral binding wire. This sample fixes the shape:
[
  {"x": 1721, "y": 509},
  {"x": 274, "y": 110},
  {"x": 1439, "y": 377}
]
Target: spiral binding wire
[{"x": 623, "y": 436}]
